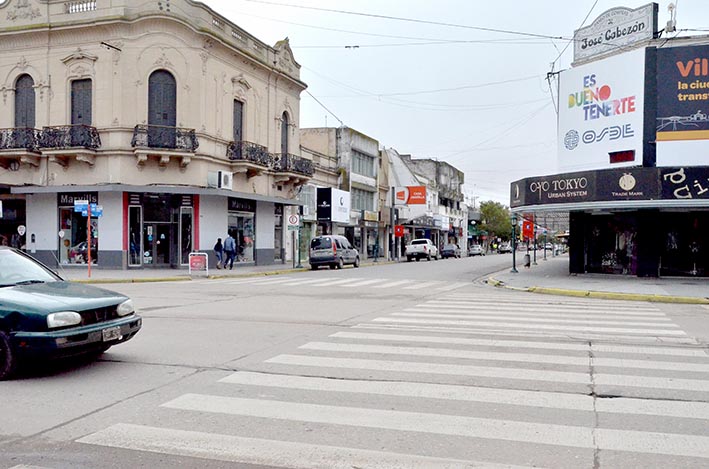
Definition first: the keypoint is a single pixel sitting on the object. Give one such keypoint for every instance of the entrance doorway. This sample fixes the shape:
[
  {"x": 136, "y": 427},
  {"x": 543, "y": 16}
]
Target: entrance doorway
[{"x": 158, "y": 244}]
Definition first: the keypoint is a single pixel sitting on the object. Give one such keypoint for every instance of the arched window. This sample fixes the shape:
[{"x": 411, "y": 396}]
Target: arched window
[
  {"x": 284, "y": 133},
  {"x": 24, "y": 102},
  {"x": 162, "y": 99},
  {"x": 162, "y": 110}
]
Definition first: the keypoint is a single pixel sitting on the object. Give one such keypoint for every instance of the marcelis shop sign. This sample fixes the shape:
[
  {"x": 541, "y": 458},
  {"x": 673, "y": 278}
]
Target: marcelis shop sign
[{"x": 615, "y": 29}]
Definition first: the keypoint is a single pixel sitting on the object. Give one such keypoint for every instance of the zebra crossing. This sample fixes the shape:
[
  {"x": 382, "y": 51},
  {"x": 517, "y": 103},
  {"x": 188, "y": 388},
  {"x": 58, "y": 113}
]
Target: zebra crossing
[
  {"x": 377, "y": 284},
  {"x": 479, "y": 379}
]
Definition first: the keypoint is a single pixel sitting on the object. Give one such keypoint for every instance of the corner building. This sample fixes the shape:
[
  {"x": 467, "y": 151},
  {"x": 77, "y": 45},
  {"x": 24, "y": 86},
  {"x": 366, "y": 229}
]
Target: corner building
[
  {"x": 177, "y": 124},
  {"x": 633, "y": 140}
]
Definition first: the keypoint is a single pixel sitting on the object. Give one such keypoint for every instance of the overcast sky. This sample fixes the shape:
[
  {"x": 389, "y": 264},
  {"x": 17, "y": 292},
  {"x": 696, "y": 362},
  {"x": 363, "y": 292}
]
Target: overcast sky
[{"x": 471, "y": 90}]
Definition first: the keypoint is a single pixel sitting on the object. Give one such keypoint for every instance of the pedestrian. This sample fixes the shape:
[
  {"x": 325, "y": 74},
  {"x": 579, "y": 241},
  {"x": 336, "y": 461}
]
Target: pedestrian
[
  {"x": 229, "y": 251},
  {"x": 219, "y": 252}
]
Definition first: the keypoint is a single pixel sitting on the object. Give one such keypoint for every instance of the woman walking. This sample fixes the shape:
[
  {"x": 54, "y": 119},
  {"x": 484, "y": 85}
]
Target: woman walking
[{"x": 219, "y": 252}]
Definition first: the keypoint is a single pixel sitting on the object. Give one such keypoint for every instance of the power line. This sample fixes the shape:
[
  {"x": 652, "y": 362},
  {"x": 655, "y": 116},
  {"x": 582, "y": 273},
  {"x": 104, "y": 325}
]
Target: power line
[
  {"x": 325, "y": 107},
  {"x": 410, "y": 20}
]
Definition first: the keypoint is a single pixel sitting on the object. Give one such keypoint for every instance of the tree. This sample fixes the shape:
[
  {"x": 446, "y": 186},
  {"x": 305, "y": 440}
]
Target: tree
[{"x": 495, "y": 219}]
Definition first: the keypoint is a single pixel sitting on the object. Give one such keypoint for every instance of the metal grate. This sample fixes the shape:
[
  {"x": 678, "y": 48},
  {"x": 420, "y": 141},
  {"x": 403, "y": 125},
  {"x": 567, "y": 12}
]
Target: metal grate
[{"x": 95, "y": 316}]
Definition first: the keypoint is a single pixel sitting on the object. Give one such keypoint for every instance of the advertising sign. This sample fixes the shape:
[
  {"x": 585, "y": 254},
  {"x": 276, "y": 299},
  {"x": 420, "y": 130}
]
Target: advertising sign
[
  {"x": 683, "y": 93},
  {"x": 601, "y": 106},
  {"x": 615, "y": 29},
  {"x": 398, "y": 231},
  {"x": 410, "y": 195},
  {"x": 333, "y": 205}
]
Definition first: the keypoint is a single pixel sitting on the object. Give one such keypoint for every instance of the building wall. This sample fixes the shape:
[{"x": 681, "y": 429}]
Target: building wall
[
  {"x": 42, "y": 223},
  {"x": 265, "y": 233}
]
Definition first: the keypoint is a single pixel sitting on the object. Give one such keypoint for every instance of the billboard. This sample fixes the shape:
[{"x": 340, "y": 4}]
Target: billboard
[
  {"x": 410, "y": 195},
  {"x": 333, "y": 205},
  {"x": 682, "y": 125},
  {"x": 601, "y": 111}
]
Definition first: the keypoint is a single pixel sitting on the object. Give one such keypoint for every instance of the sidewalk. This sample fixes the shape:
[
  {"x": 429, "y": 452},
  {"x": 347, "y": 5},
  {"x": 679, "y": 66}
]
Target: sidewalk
[{"x": 552, "y": 277}]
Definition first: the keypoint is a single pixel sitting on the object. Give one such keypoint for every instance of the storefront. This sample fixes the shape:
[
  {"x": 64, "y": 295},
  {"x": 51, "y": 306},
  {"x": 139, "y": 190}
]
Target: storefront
[
  {"x": 646, "y": 222},
  {"x": 241, "y": 223},
  {"x": 73, "y": 230},
  {"x": 12, "y": 220}
]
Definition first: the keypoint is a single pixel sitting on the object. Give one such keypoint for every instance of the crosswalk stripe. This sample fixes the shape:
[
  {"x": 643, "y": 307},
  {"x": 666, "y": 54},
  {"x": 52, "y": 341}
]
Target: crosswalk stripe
[
  {"x": 506, "y": 332},
  {"x": 597, "y": 348},
  {"x": 421, "y": 285},
  {"x": 433, "y": 368},
  {"x": 539, "y": 314},
  {"x": 550, "y": 400},
  {"x": 393, "y": 284},
  {"x": 507, "y": 356},
  {"x": 471, "y": 427},
  {"x": 528, "y": 326},
  {"x": 262, "y": 452},
  {"x": 701, "y": 385},
  {"x": 304, "y": 282},
  {"x": 338, "y": 282},
  {"x": 454, "y": 286},
  {"x": 512, "y": 317},
  {"x": 530, "y": 299},
  {"x": 546, "y": 308},
  {"x": 363, "y": 283}
]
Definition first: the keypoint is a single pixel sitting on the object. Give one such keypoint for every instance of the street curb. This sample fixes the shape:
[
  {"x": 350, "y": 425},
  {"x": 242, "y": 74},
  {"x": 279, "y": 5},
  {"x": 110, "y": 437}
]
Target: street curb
[
  {"x": 131, "y": 280},
  {"x": 603, "y": 295}
]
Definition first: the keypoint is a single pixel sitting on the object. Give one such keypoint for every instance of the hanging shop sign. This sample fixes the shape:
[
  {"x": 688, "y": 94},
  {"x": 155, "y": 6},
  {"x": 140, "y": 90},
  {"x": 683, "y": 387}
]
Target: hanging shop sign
[
  {"x": 333, "y": 205},
  {"x": 616, "y": 29},
  {"x": 410, "y": 195},
  {"x": 241, "y": 205}
]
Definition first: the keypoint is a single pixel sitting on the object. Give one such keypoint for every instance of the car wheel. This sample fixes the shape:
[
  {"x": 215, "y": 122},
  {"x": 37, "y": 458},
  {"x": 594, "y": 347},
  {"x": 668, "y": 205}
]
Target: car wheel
[
  {"x": 340, "y": 263},
  {"x": 333, "y": 266},
  {"x": 356, "y": 262},
  {"x": 7, "y": 359},
  {"x": 428, "y": 258},
  {"x": 409, "y": 258},
  {"x": 313, "y": 267}
]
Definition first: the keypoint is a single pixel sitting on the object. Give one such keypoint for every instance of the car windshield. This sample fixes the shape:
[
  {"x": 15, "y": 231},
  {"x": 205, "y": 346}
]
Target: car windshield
[
  {"x": 321, "y": 243},
  {"x": 18, "y": 269}
]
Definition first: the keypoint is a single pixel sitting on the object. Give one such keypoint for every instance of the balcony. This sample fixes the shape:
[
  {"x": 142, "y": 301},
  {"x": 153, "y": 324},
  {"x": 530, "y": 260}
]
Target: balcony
[
  {"x": 164, "y": 143},
  {"x": 19, "y": 146},
  {"x": 63, "y": 142},
  {"x": 248, "y": 157},
  {"x": 292, "y": 167}
]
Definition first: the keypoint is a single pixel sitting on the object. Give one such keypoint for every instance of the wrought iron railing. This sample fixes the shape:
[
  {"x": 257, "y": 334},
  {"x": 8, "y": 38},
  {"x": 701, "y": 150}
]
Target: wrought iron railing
[
  {"x": 70, "y": 136},
  {"x": 160, "y": 136},
  {"x": 19, "y": 138},
  {"x": 250, "y": 152},
  {"x": 288, "y": 163}
]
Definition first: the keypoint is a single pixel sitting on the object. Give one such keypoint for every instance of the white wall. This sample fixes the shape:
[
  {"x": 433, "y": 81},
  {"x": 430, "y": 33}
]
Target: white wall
[
  {"x": 43, "y": 222},
  {"x": 265, "y": 225},
  {"x": 110, "y": 225},
  {"x": 212, "y": 221}
]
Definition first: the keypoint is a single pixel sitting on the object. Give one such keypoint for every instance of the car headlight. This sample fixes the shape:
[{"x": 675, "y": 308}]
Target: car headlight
[
  {"x": 125, "y": 308},
  {"x": 63, "y": 318}
]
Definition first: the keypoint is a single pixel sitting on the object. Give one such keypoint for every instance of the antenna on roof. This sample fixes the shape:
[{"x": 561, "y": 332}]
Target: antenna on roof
[{"x": 672, "y": 22}]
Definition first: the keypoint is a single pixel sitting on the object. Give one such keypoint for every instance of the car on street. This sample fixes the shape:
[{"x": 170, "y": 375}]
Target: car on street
[
  {"x": 504, "y": 248},
  {"x": 421, "y": 248},
  {"x": 450, "y": 250},
  {"x": 476, "y": 250},
  {"x": 334, "y": 251},
  {"x": 43, "y": 316}
]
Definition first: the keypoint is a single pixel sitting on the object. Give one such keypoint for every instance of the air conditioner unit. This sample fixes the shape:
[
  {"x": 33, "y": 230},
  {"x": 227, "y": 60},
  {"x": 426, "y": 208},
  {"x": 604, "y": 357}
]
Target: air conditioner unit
[{"x": 226, "y": 180}]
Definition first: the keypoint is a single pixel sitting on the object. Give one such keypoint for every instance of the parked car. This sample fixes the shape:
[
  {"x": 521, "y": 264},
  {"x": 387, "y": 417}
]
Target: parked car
[
  {"x": 504, "y": 247},
  {"x": 42, "y": 316},
  {"x": 332, "y": 250},
  {"x": 476, "y": 250},
  {"x": 450, "y": 250},
  {"x": 421, "y": 248}
]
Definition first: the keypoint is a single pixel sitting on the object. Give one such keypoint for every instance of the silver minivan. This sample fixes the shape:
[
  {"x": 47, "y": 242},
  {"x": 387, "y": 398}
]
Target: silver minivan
[{"x": 332, "y": 250}]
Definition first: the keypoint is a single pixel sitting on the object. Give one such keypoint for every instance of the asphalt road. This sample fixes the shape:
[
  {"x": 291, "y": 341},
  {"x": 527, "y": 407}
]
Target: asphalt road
[{"x": 398, "y": 365}]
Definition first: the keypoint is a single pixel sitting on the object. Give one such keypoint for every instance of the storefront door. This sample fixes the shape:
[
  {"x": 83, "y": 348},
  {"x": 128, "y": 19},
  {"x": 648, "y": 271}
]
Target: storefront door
[{"x": 157, "y": 244}]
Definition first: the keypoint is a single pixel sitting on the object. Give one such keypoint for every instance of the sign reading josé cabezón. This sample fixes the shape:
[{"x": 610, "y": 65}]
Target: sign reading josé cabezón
[{"x": 614, "y": 30}]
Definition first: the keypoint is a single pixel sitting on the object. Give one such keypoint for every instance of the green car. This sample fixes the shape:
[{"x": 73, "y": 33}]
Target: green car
[{"x": 43, "y": 316}]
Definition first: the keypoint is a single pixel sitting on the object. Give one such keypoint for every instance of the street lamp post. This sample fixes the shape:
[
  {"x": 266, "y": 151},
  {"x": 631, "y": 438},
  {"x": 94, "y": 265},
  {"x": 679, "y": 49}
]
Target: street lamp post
[{"x": 514, "y": 244}]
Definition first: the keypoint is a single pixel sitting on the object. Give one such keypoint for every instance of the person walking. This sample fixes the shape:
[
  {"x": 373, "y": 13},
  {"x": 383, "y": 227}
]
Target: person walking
[
  {"x": 219, "y": 252},
  {"x": 229, "y": 251}
]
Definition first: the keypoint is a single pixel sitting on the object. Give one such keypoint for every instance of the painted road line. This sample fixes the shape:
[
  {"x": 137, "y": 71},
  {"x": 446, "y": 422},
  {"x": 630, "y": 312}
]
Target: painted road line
[
  {"x": 421, "y": 285},
  {"x": 453, "y": 314},
  {"x": 546, "y": 308},
  {"x": 550, "y": 400},
  {"x": 434, "y": 368},
  {"x": 596, "y": 348},
  {"x": 507, "y": 333},
  {"x": 262, "y": 452},
  {"x": 548, "y": 327},
  {"x": 393, "y": 284},
  {"x": 454, "y": 286},
  {"x": 530, "y": 299},
  {"x": 363, "y": 283},
  {"x": 471, "y": 427},
  {"x": 679, "y": 384},
  {"x": 329, "y": 283},
  {"x": 303, "y": 282}
]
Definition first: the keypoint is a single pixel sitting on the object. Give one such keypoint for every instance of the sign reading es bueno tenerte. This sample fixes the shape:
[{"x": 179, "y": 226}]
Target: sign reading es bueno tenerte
[{"x": 614, "y": 30}]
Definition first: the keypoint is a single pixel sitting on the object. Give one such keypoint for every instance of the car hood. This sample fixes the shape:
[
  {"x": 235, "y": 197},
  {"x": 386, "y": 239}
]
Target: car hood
[{"x": 44, "y": 298}]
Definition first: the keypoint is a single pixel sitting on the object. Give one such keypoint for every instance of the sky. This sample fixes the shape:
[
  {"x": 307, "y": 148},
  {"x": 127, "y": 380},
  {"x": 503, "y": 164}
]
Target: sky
[{"x": 460, "y": 81}]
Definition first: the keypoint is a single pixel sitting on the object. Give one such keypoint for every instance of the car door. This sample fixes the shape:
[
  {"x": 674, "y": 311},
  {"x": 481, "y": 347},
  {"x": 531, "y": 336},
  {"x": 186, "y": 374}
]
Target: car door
[{"x": 350, "y": 252}]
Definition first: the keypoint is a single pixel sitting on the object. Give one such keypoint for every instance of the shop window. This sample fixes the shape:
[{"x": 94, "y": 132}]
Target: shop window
[
  {"x": 73, "y": 241},
  {"x": 185, "y": 234},
  {"x": 135, "y": 229},
  {"x": 278, "y": 233},
  {"x": 241, "y": 227}
]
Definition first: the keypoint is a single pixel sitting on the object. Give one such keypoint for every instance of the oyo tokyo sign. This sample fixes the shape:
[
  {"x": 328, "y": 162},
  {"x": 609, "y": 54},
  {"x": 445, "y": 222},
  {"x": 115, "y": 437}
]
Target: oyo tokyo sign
[{"x": 557, "y": 185}]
